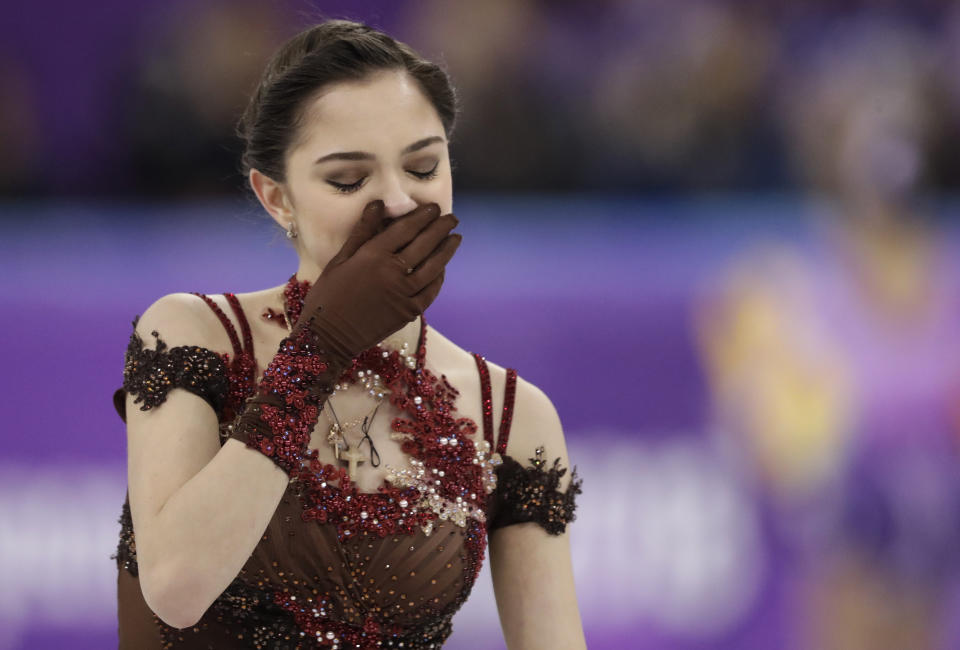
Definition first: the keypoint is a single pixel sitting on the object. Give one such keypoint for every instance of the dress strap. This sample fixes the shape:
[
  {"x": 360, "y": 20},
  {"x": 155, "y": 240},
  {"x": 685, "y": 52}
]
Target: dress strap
[
  {"x": 244, "y": 324},
  {"x": 486, "y": 403},
  {"x": 227, "y": 325},
  {"x": 507, "y": 417}
]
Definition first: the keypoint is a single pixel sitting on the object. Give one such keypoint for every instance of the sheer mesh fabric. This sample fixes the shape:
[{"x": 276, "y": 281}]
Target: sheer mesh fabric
[{"x": 310, "y": 584}]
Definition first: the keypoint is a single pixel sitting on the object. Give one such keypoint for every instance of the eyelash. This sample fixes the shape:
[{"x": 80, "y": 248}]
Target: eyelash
[{"x": 353, "y": 187}]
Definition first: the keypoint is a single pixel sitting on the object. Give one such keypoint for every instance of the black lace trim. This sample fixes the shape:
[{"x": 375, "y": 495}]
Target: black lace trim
[
  {"x": 151, "y": 374},
  {"x": 126, "y": 555},
  {"x": 531, "y": 494}
]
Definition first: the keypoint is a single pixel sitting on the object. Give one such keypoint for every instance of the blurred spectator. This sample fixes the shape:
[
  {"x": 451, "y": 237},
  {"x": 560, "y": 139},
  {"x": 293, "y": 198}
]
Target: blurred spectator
[
  {"x": 190, "y": 85},
  {"x": 835, "y": 364},
  {"x": 19, "y": 132},
  {"x": 859, "y": 112},
  {"x": 509, "y": 134},
  {"x": 614, "y": 95},
  {"x": 945, "y": 154},
  {"x": 677, "y": 100}
]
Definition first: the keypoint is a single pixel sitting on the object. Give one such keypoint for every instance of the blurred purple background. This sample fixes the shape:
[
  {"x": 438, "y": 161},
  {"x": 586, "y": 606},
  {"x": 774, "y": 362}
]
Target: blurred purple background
[
  {"x": 722, "y": 237},
  {"x": 140, "y": 98}
]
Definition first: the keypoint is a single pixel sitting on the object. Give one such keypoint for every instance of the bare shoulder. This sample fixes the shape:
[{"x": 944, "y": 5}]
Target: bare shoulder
[
  {"x": 535, "y": 422},
  {"x": 536, "y": 425},
  {"x": 181, "y": 319}
]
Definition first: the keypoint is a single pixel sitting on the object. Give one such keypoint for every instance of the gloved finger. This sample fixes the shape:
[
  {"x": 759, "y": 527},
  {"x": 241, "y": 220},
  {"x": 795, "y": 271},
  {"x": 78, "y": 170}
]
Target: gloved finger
[
  {"x": 403, "y": 229},
  {"x": 429, "y": 293},
  {"x": 365, "y": 228},
  {"x": 427, "y": 240},
  {"x": 435, "y": 264}
]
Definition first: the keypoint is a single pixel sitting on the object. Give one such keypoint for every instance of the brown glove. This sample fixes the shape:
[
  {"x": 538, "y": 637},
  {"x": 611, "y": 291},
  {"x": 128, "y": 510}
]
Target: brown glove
[{"x": 364, "y": 293}]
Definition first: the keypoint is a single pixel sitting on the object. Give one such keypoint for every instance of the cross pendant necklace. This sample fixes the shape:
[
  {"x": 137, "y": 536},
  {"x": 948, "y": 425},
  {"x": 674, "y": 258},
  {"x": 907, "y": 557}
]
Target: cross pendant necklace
[
  {"x": 354, "y": 458},
  {"x": 352, "y": 455},
  {"x": 292, "y": 298}
]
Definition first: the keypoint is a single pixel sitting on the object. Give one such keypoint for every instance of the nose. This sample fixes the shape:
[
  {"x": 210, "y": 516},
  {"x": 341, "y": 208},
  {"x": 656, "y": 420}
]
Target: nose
[{"x": 397, "y": 201}]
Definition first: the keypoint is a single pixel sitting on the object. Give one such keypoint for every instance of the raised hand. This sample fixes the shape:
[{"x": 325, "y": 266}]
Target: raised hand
[{"x": 365, "y": 293}]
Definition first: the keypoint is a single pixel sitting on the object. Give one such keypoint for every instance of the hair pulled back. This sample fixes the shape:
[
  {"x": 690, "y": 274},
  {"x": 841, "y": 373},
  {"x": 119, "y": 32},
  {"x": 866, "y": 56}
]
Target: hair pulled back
[{"x": 330, "y": 52}]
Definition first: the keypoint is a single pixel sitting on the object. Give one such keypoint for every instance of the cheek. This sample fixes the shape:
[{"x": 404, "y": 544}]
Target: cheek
[
  {"x": 325, "y": 226},
  {"x": 324, "y": 214},
  {"x": 332, "y": 221}
]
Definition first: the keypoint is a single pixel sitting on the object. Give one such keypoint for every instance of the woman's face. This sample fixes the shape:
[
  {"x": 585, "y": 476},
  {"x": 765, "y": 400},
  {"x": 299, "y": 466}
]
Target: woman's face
[{"x": 377, "y": 138}]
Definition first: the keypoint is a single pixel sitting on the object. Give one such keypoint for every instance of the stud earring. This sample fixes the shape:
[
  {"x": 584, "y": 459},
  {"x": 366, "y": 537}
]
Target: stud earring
[{"x": 292, "y": 231}]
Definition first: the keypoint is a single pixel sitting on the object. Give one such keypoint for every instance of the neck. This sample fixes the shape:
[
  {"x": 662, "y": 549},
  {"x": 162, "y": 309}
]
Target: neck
[{"x": 409, "y": 334}]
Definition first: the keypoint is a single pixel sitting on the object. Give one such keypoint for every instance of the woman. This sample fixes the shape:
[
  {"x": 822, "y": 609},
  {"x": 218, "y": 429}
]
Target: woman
[{"x": 320, "y": 480}]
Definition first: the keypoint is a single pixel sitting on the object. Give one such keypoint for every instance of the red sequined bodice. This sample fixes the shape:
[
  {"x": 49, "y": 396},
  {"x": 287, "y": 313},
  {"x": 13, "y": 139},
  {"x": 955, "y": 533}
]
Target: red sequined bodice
[
  {"x": 341, "y": 568},
  {"x": 394, "y": 562}
]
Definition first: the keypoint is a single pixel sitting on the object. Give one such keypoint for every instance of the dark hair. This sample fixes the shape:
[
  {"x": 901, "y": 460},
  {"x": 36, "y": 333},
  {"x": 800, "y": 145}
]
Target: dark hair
[{"x": 332, "y": 51}]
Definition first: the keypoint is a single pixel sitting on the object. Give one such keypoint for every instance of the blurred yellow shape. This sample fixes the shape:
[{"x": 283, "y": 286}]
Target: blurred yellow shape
[{"x": 780, "y": 384}]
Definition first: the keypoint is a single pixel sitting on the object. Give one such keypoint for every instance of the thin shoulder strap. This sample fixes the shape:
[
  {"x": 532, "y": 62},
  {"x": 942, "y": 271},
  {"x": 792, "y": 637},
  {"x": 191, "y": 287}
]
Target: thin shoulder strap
[
  {"x": 507, "y": 417},
  {"x": 242, "y": 319},
  {"x": 486, "y": 402},
  {"x": 227, "y": 325}
]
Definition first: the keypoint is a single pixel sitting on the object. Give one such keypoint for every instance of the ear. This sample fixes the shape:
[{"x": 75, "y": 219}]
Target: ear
[{"x": 273, "y": 197}]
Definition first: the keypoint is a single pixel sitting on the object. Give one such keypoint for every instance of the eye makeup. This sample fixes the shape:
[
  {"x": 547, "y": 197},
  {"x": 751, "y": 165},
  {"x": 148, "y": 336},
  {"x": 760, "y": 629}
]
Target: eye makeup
[{"x": 348, "y": 188}]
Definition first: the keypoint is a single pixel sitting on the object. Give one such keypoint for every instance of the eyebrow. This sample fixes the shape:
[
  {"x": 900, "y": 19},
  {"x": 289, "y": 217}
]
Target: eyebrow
[{"x": 363, "y": 155}]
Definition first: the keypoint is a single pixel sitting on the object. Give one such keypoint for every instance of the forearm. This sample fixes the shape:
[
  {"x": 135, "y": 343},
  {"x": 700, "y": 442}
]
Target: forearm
[
  {"x": 210, "y": 526},
  {"x": 207, "y": 531}
]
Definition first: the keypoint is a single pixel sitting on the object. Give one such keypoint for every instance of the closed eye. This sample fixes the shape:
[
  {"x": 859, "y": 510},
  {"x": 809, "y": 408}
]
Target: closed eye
[
  {"x": 347, "y": 188},
  {"x": 427, "y": 174}
]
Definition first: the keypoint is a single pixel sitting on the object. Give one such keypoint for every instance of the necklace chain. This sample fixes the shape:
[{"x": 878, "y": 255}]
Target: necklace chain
[{"x": 293, "y": 296}]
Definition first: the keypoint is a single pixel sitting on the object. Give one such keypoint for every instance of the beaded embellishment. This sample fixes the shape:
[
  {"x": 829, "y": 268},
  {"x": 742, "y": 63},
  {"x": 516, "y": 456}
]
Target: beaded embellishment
[
  {"x": 126, "y": 555},
  {"x": 531, "y": 494},
  {"x": 449, "y": 477},
  {"x": 151, "y": 374},
  {"x": 426, "y": 484},
  {"x": 287, "y": 404},
  {"x": 261, "y": 612},
  {"x": 450, "y": 484}
]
